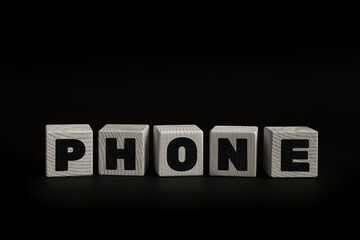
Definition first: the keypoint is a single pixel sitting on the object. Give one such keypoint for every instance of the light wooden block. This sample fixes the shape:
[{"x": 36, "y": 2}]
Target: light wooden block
[
  {"x": 290, "y": 152},
  {"x": 123, "y": 149},
  {"x": 178, "y": 150},
  {"x": 233, "y": 151},
  {"x": 69, "y": 150}
]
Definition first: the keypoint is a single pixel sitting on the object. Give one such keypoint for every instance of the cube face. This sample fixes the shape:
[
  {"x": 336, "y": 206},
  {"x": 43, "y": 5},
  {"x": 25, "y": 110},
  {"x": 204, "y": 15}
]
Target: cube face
[
  {"x": 178, "y": 150},
  {"x": 290, "y": 152},
  {"x": 123, "y": 149},
  {"x": 69, "y": 150},
  {"x": 229, "y": 144}
]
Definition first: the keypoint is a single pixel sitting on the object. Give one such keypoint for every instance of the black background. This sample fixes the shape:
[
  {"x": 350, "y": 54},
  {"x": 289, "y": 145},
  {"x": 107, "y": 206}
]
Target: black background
[{"x": 260, "y": 73}]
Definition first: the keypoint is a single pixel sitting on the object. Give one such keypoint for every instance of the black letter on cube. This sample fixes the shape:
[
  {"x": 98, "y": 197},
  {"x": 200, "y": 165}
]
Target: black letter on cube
[
  {"x": 63, "y": 156},
  {"x": 128, "y": 153},
  {"x": 287, "y": 155},
  {"x": 238, "y": 157},
  {"x": 190, "y": 154}
]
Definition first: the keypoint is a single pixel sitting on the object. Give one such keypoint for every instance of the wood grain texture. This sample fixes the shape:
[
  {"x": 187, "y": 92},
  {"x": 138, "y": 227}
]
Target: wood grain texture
[
  {"x": 139, "y": 132},
  {"x": 163, "y": 135},
  {"x": 82, "y": 132},
  {"x": 233, "y": 133},
  {"x": 272, "y": 151}
]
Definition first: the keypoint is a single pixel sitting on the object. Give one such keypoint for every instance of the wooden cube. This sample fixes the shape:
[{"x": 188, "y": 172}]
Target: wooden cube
[
  {"x": 178, "y": 150},
  {"x": 233, "y": 151},
  {"x": 290, "y": 152},
  {"x": 69, "y": 150},
  {"x": 123, "y": 149}
]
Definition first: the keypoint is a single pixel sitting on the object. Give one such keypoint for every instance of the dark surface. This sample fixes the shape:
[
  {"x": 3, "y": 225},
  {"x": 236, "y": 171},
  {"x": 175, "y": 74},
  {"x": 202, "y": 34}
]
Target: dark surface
[{"x": 261, "y": 83}]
